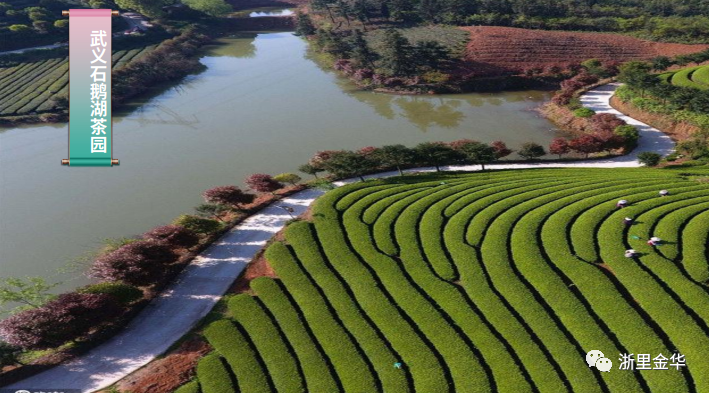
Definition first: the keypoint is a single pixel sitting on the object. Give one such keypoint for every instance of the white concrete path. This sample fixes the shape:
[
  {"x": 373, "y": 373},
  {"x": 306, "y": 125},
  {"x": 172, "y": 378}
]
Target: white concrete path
[{"x": 208, "y": 277}]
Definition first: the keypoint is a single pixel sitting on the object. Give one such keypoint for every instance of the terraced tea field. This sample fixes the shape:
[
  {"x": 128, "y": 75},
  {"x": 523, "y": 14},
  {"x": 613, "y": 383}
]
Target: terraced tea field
[
  {"x": 481, "y": 282},
  {"x": 695, "y": 77},
  {"x": 33, "y": 87}
]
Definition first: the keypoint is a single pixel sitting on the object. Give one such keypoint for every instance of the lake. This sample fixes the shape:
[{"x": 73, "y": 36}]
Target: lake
[{"x": 262, "y": 105}]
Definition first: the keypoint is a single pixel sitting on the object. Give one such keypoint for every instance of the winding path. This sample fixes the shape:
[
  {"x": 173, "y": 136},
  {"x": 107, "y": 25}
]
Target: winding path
[{"x": 209, "y": 276}]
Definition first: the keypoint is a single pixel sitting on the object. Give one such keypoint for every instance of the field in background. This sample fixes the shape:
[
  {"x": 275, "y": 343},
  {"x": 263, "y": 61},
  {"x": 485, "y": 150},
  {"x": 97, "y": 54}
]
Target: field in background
[
  {"x": 39, "y": 87},
  {"x": 499, "y": 50}
]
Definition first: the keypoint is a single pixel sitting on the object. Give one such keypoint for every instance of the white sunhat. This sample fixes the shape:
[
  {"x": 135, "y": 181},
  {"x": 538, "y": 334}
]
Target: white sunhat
[
  {"x": 664, "y": 192},
  {"x": 655, "y": 239},
  {"x": 628, "y": 219}
]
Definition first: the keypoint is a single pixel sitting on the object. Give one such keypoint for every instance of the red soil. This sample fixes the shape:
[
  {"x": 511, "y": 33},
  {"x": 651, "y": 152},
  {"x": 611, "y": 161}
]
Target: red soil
[
  {"x": 166, "y": 374},
  {"x": 504, "y": 50}
]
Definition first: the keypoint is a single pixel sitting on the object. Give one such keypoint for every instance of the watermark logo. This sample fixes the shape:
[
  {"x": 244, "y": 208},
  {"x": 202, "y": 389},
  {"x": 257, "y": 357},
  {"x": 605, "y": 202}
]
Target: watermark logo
[{"x": 597, "y": 359}]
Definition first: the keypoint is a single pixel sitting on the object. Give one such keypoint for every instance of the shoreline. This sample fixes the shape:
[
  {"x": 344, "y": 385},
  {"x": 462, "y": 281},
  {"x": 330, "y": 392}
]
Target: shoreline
[{"x": 184, "y": 303}]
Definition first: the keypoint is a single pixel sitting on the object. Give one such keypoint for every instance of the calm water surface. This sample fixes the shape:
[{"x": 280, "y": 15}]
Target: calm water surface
[{"x": 261, "y": 105}]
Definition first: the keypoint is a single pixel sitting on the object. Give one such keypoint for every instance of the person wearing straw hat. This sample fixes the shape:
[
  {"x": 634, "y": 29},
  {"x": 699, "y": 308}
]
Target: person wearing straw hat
[
  {"x": 664, "y": 193},
  {"x": 628, "y": 221},
  {"x": 630, "y": 253},
  {"x": 654, "y": 241},
  {"x": 621, "y": 203}
]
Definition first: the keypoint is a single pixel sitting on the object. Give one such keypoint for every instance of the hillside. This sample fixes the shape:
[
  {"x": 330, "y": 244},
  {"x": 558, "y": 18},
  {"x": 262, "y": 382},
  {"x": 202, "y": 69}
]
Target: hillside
[
  {"x": 500, "y": 50},
  {"x": 486, "y": 282}
]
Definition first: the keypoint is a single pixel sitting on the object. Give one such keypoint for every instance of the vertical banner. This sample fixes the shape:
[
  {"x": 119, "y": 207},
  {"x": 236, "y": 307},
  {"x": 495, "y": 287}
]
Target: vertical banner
[{"x": 90, "y": 128}]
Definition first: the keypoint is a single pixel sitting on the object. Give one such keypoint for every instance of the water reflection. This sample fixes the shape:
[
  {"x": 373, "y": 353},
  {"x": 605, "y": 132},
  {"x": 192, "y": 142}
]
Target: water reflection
[{"x": 239, "y": 45}]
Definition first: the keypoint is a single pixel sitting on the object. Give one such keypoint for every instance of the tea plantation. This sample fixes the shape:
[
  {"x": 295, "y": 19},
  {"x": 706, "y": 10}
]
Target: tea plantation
[{"x": 486, "y": 282}]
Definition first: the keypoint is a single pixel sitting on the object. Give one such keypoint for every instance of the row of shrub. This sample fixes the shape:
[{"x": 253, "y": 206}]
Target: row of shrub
[
  {"x": 434, "y": 273},
  {"x": 386, "y": 256},
  {"x": 675, "y": 310},
  {"x": 130, "y": 270}
]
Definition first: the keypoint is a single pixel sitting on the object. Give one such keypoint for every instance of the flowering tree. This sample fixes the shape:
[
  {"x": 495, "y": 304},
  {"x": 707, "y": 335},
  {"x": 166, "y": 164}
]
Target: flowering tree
[
  {"x": 228, "y": 195},
  {"x": 605, "y": 122},
  {"x": 609, "y": 140},
  {"x": 320, "y": 158},
  {"x": 501, "y": 149},
  {"x": 173, "y": 235},
  {"x": 66, "y": 318},
  {"x": 138, "y": 263},
  {"x": 586, "y": 144},
  {"x": 559, "y": 146},
  {"x": 262, "y": 182}
]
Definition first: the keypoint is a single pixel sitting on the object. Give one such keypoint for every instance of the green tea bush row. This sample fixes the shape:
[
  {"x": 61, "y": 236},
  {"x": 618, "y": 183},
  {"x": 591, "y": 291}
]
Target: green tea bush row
[
  {"x": 352, "y": 370},
  {"x": 528, "y": 258},
  {"x": 695, "y": 247},
  {"x": 190, "y": 387},
  {"x": 680, "y": 328},
  {"x": 234, "y": 346},
  {"x": 383, "y": 312},
  {"x": 669, "y": 228},
  {"x": 615, "y": 310},
  {"x": 268, "y": 342},
  {"x": 497, "y": 257},
  {"x": 319, "y": 376},
  {"x": 446, "y": 295},
  {"x": 214, "y": 377}
]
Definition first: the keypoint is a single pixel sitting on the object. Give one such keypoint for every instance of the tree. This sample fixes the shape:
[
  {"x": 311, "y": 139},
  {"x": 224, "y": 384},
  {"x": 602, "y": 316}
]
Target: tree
[
  {"x": 501, "y": 149},
  {"x": 661, "y": 63},
  {"x": 123, "y": 293},
  {"x": 637, "y": 75},
  {"x": 585, "y": 144},
  {"x": 479, "y": 153},
  {"x": 228, "y": 195},
  {"x": 649, "y": 158},
  {"x": 430, "y": 54},
  {"x": 559, "y": 146},
  {"x": 361, "y": 53},
  {"x": 62, "y": 24},
  {"x": 346, "y": 164},
  {"x": 396, "y": 156},
  {"x": 209, "y": 7},
  {"x": 630, "y": 133},
  {"x": 603, "y": 122},
  {"x": 262, "y": 182},
  {"x": 310, "y": 169},
  {"x": 151, "y": 8},
  {"x": 437, "y": 154},
  {"x": 196, "y": 224},
  {"x": 609, "y": 140},
  {"x": 212, "y": 210},
  {"x": 594, "y": 67},
  {"x": 68, "y": 317},
  {"x": 173, "y": 235},
  {"x": 31, "y": 291},
  {"x": 396, "y": 54},
  {"x": 304, "y": 25},
  {"x": 139, "y": 263},
  {"x": 290, "y": 178},
  {"x": 531, "y": 150},
  {"x": 319, "y": 159},
  {"x": 8, "y": 354}
]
